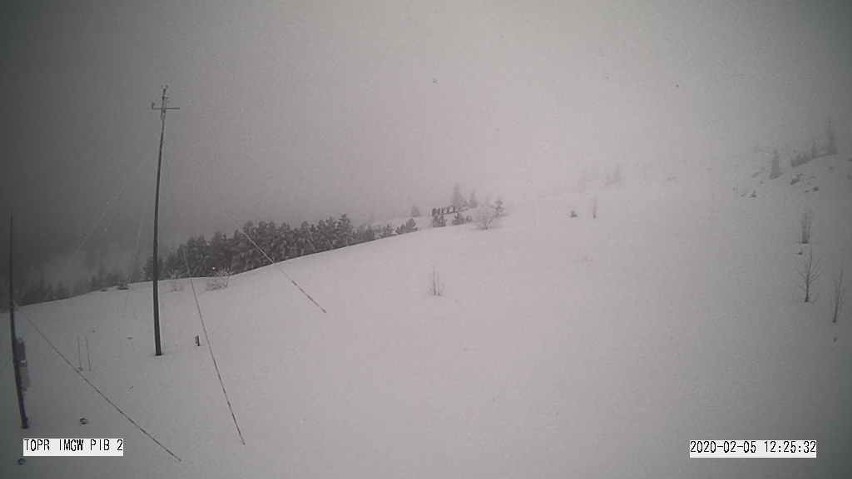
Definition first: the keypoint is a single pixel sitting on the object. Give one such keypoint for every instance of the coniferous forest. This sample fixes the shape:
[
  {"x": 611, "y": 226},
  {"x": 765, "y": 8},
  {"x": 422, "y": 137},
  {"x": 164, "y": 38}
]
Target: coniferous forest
[{"x": 220, "y": 255}]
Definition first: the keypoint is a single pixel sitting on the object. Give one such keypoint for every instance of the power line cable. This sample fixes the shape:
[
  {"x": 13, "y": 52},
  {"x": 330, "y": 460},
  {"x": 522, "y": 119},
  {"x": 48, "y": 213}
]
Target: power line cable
[
  {"x": 88, "y": 235},
  {"x": 134, "y": 264}
]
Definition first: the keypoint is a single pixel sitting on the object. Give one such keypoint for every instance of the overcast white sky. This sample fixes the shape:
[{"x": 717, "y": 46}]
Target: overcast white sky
[{"x": 298, "y": 110}]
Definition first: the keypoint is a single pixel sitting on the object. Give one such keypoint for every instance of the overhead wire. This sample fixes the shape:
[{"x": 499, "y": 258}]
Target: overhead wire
[{"x": 104, "y": 210}]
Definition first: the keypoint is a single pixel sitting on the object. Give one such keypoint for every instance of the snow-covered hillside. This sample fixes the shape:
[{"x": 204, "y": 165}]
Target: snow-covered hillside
[{"x": 561, "y": 347}]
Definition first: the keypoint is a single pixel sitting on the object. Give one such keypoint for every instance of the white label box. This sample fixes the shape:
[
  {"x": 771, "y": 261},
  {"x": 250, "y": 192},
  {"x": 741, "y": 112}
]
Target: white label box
[{"x": 73, "y": 446}]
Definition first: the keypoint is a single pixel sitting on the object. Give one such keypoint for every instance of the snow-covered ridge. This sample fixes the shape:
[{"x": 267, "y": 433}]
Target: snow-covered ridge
[{"x": 560, "y": 347}]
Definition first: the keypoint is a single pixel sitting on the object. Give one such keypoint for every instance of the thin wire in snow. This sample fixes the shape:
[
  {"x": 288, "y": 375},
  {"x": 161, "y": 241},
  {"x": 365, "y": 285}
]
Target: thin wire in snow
[
  {"x": 210, "y": 348},
  {"x": 282, "y": 271},
  {"x": 101, "y": 394}
]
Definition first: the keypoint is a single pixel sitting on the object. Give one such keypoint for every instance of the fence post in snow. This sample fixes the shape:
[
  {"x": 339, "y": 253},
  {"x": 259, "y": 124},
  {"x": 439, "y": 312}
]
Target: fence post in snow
[
  {"x": 25, "y": 422},
  {"x": 88, "y": 354}
]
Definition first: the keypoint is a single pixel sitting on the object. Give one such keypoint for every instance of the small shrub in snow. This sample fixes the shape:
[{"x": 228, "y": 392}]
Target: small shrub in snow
[
  {"x": 438, "y": 221},
  {"x": 485, "y": 216},
  {"x": 220, "y": 280},
  {"x": 594, "y": 208},
  {"x": 573, "y": 214},
  {"x": 805, "y": 223}
]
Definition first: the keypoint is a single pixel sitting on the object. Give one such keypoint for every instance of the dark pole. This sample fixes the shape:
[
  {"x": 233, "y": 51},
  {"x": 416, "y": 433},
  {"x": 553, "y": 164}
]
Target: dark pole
[
  {"x": 163, "y": 108},
  {"x": 25, "y": 422}
]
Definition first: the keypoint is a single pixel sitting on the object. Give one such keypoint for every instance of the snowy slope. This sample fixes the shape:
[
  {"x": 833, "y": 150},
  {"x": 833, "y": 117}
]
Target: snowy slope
[{"x": 561, "y": 347}]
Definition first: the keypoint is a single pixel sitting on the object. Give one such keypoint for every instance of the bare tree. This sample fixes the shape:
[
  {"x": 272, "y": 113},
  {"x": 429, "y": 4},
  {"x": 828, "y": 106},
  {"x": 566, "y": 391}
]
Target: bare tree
[
  {"x": 839, "y": 296},
  {"x": 806, "y": 224},
  {"x": 809, "y": 273}
]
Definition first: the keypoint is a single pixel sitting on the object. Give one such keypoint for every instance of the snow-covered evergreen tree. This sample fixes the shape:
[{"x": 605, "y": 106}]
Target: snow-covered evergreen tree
[
  {"x": 220, "y": 252},
  {"x": 775, "y": 167},
  {"x": 408, "y": 227},
  {"x": 439, "y": 221},
  {"x": 831, "y": 141},
  {"x": 457, "y": 199},
  {"x": 344, "y": 233}
]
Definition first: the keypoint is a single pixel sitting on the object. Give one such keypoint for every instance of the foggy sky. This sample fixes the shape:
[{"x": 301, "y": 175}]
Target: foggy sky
[{"x": 294, "y": 111}]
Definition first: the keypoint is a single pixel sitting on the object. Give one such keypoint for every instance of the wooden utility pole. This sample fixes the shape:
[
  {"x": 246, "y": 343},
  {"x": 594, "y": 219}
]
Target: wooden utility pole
[
  {"x": 16, "y": 359},
  {"x": 163, "y": 109}
]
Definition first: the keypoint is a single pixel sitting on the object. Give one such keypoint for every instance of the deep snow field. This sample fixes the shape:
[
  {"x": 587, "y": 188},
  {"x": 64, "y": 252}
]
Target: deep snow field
[{"x": 561, "y": 347}]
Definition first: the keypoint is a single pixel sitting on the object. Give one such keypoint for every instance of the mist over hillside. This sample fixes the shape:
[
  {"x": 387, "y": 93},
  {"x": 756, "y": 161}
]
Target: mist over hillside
[
  {"x": 424, "y": 240},
  {"x": 297, "y": 112},
  {"x": 636, "y": 315}
]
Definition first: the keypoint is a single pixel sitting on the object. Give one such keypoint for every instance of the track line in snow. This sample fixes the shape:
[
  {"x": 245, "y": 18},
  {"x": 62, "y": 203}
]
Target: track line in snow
[
  {"x": 283, "y": 272},
  {"x": 101, "y": 394},
  {"x": 215, "y": 363}
]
